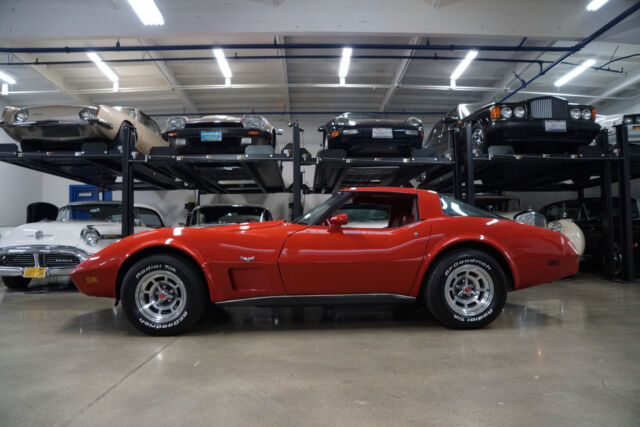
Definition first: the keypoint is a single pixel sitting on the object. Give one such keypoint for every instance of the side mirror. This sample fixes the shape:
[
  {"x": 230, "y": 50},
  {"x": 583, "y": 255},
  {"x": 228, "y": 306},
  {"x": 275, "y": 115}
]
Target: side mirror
[
  {"x": 320, "y": 128},
  {"x": 279, "y": 131},
  {"x": 337, "y": 222}
]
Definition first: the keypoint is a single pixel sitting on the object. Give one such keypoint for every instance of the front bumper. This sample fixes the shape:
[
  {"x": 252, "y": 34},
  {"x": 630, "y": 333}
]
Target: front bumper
[
  {"x": 57, "y": 260},
  {"x": 523, "y": 132},
  {"x": 99, "y": 122},
  {"x": 234, "y": 140}
]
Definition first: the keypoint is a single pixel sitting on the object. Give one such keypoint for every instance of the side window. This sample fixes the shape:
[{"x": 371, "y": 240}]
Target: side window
[
  {"x": 379, "y": 211},
  {"x": 149, "y": 218}
]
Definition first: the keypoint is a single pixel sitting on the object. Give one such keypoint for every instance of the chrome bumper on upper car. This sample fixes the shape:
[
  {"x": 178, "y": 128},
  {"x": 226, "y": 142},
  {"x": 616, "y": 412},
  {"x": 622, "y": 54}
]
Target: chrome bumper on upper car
[
  {"x": 99, "y": 122},
  {"x": 57, "y": 260}
]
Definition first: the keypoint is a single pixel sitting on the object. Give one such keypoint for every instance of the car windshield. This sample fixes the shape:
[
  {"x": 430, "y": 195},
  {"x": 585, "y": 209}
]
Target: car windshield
[
  {"x": 91, "y": 212},
  {"x": 360, "y": 116},
  {"x": 322, "y": 209},
  {"x": 208, "y": 215},
  {"x": 453, "y": 207}
]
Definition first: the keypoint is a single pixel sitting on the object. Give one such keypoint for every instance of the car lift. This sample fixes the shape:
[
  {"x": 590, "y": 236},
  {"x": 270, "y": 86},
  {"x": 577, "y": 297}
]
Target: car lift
[{"x": 259, "y": 170}]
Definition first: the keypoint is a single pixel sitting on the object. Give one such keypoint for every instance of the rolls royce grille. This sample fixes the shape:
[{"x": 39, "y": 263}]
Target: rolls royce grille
[{"x": 548, "y": 108}]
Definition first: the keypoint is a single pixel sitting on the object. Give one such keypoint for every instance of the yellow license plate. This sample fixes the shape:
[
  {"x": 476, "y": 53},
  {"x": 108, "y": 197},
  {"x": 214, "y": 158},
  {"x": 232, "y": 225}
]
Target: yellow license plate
[{"x": 34, "y": 272}]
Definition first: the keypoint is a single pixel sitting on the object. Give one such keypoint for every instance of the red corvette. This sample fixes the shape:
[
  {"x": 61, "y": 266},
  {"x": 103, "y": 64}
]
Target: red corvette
[{"x": 363, "y": 245}]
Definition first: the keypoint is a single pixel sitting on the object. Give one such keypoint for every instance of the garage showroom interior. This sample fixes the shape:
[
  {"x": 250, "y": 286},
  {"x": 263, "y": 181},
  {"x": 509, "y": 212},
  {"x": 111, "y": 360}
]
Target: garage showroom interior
[{"x": 297, "y": 212}]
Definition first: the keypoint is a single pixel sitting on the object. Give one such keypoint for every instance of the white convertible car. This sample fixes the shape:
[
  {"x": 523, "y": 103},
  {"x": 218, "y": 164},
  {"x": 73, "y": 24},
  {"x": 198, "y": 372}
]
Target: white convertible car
[{"x": 54, "y": 248}]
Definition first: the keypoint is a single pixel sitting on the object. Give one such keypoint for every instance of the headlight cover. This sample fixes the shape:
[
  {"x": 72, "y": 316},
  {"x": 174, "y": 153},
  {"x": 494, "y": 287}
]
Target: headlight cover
[
  {"x": 176, "y": 123},
  {"x": 341, "y": 121},
  {"x": 90, "y": 235},
  {"x": 87, "y": 114},
  {"x": 506, "y": 112},
  {"x": 556, "y": 226},
  {"x": 414, "y": 121},
  {"x": 21, "y": 115},
  {"x": 575, "y": 113},
  {"x": 586, "y": 114},
  {"x": 253, "y": 122},
  {"x": 519, "y": 112}
]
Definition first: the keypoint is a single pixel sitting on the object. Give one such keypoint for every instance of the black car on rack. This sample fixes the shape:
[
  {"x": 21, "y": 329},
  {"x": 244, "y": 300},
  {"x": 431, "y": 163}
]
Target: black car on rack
[
  {"x": 588, "y": 216},
  {"x": 367, "y": 135},
  {"x": 543, "y": 125},
  {"x": 219, "y": 134}
]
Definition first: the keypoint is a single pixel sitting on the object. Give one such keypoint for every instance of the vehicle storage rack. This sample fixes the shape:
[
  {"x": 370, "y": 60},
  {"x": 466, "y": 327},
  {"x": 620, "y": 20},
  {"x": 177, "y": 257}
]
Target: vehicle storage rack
[{"x": 594, "y": 166}]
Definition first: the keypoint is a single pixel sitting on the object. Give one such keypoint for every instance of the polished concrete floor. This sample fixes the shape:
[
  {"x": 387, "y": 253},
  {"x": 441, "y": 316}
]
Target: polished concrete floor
[{"x": 566, "y": 353}]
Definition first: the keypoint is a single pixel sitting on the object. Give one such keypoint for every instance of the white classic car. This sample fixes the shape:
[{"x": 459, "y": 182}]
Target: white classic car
[
  {"x": 54, "y": 248},
  {"x": 509, "y": 207}
]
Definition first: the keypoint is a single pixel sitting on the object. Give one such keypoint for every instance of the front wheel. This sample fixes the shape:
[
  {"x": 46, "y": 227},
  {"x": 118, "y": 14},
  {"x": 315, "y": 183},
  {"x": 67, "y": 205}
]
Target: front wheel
[
  {"x": 466, "y": 289},
  {"x": 15, "y": 282},
  {"x": 163, "y": 295}
]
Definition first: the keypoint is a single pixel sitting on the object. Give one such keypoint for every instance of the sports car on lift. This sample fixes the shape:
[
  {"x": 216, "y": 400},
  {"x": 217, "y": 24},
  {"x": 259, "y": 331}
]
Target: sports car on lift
[
  {"x": 219, "y": 134},
  {"x": 362, "y": 245},
  {"x": 68, "y": 127},
  {"x": 360, "y": 134},
  {"x": 544, "y": 125}
]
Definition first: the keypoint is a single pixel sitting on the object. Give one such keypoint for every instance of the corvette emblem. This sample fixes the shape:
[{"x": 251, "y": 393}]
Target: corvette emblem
[{"x": 247, "y": 258}]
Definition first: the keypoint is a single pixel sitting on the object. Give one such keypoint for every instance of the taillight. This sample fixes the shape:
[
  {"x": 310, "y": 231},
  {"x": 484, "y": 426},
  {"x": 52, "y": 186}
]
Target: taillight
[{"x": 495, "y": 112}]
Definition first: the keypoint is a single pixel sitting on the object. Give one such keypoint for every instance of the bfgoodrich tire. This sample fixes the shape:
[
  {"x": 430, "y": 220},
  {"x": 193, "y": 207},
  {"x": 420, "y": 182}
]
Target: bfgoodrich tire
[
  {"x": 467, "y": 289},
  {"x": 163, "y": 295},
  {"x": 15, "y": 282}
]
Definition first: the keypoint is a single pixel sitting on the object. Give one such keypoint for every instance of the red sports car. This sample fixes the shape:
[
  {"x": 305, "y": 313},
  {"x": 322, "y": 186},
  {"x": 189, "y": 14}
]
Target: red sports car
[{"x": 363, "y": 245}]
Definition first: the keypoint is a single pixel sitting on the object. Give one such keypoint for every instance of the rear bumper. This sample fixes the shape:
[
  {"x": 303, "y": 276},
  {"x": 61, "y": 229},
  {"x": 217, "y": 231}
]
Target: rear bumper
[
  {"x": 363, "y": 143},
  {"x": 234, "y": 140},
  {"x": 532, "y": 133},
  {"x": 38, "y": 252}
]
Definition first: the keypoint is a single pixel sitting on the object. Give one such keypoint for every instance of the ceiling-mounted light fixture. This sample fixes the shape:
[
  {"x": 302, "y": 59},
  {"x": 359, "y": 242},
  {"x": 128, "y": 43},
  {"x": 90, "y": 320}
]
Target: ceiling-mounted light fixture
[
  {"x": 7, "y": 78},
  {"x": 575, "y": 72},
  {"x": 462, "y": 66},
  {"x": 5, "y": 88},
  {"x": 147, "y": 11},
  {"x": 223, "y": 65},
  {"x": 595, "y": 5},
  {"x": 344, "y": 65},
  {"x": 111, "y": 75}
]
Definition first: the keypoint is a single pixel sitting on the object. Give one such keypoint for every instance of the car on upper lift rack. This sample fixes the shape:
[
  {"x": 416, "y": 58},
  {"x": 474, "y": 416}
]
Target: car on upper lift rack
[
  {"x": 219, "y": 134},
  {"x": 544, "y": 125},
  {"x": 632, "y": 123},
  {"x": 68, "y": 127},
  {"x": 361, "y": 134}
]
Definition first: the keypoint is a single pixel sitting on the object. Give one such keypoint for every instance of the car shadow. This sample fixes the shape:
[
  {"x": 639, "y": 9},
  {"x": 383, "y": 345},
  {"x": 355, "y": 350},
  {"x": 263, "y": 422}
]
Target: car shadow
[{"x": 45, "y": 286}]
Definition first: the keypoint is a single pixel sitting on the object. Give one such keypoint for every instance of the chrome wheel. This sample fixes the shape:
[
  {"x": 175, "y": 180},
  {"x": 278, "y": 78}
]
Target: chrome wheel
[
  {"x": 469, "y": 290},
  {"x": 161, "y": 296},
  {"x": 477, "y": 137}
]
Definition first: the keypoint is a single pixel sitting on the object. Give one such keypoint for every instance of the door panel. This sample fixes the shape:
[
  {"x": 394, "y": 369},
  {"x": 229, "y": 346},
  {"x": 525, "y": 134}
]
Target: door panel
[{"x": 355, "y": 260}]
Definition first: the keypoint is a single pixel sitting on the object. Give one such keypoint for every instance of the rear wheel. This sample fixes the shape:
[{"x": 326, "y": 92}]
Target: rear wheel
[
  {"x": 15, "y": 282},
  {"x": 466, "y": 289},
  {"x": 163, "y": 295}
]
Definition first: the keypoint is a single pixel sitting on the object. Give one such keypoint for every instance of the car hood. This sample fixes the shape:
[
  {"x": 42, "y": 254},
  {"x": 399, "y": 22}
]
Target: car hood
[
  {"x": 55, "y": 112},
  {"x": 62, "y": 233}
]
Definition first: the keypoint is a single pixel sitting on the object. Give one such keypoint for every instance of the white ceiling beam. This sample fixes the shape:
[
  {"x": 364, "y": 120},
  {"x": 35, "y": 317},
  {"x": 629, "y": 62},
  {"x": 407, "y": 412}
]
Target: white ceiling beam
[
  {"x": 616, "y": 86},
  {"x": 55, "y": 79},
  {"x": 399, "y": 74},
  {"x": 285, "y": 76},
  {"x": 170, "y": 77}
]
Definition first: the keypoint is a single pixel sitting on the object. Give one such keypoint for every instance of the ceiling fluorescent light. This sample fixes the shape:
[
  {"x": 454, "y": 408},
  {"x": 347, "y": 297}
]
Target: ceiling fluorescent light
[
  {"x": 224, "y": 66},
  {"x": 595, "y": 4},
  {"x": 111, "y": 75},
  {"x": 116, "y": 86},
  {"x": 575, "y": 72},
  {"x": 344, "y": 62},
  {"x": 343, "y": 81},
  {"x": 7, "y": 78},
  {"x": 5, "y": 88},
  {"x": 453, "y": 84},
  {"x": 147, "y": 11},
  {"x": 464, "y": 64}
]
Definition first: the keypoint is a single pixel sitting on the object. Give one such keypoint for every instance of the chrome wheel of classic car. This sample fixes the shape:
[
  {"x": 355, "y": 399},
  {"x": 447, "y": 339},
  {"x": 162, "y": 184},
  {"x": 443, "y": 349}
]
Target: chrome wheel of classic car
[
  {"x": 477, "y": 135},
  {"x": 163, "y": 294},
  {"x": 466, "y": 289}
]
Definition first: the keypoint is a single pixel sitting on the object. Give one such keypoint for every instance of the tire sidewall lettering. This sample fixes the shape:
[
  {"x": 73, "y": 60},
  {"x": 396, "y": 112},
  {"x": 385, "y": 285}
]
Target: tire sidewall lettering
[
  {"x": 156, "y": 267},
  {"x": 482, "y": 264}
]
